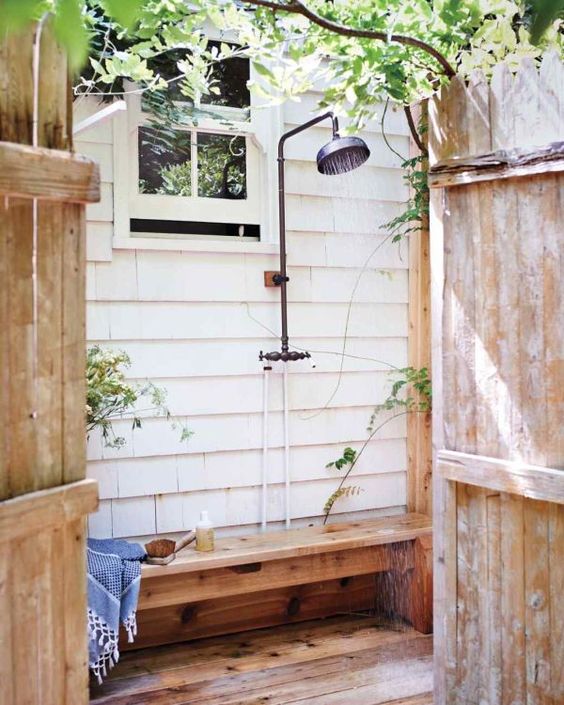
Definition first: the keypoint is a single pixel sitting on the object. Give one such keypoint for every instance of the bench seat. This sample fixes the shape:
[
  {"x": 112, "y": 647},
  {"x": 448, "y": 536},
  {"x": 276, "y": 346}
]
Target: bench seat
[{"x": 273, "y": 578}]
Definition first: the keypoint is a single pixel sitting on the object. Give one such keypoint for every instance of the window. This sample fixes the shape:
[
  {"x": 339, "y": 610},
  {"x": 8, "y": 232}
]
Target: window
[{"x": 200, "y": 173}]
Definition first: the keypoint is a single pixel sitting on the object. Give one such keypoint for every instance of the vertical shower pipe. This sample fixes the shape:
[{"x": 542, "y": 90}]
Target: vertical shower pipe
[
  {"x": 283, "y": 280},
  {"x": 339, "y": 156},
  {"x": 286, "y": 449},
  {"x": 266, "y": 370},
  {"x": 284, "y": 318}
]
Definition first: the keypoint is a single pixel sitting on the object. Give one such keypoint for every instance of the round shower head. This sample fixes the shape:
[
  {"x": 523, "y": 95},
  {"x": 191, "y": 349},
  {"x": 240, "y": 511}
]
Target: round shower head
[{"x": 342, "y": 154}]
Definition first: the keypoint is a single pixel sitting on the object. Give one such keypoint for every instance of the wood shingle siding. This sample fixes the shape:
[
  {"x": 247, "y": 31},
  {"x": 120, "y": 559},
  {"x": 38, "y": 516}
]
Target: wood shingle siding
[{"x": 182, "y": 314}]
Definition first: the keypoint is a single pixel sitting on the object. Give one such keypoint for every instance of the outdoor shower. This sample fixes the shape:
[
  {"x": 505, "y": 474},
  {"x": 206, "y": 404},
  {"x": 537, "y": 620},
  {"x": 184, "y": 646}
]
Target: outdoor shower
[{"x": 338, "y": 156}]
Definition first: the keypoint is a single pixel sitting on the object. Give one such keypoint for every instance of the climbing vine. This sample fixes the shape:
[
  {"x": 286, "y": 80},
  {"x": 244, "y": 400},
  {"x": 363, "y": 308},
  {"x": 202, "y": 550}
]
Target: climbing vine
[
  {"x": 410, "y": 393},
  {"x": 416, "y": 209}
]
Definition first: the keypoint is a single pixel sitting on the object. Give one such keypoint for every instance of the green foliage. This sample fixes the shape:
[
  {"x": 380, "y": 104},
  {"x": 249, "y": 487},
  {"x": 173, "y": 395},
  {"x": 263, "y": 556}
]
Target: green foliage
[
  {"x": 348, "y": 491},
  {"x": 16, "y": 14},
  {"x": 290, "y": 52},
  {"x": 348, "y": 458},
  {"x": 544, "y": 13},
  {"x": 411, "y": 391},
  {"x": 124, "y": 12},
  {"x": 110, "y": 396},
  {"x": 416, "y": 210},
  {"x": 418, "y": 399},
  {"x": 176, "y": 180}
]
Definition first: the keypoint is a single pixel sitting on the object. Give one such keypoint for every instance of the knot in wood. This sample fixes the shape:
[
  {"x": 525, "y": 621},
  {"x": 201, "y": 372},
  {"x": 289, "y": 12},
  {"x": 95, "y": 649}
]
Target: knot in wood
[{"x": 537, "y": 600}]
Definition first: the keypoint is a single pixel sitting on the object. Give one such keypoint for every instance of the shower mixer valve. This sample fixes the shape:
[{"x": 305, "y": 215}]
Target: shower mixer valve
[{"x": 284, "y": 356}]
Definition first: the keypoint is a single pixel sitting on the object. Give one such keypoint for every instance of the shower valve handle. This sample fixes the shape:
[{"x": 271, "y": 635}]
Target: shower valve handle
[
  {"x": 284, "y": 356},
  {"x": 277, "y": 279}
]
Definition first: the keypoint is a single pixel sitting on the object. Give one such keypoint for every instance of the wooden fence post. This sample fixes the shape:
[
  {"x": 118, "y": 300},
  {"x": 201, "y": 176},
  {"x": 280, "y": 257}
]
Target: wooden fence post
[
  {"x": 419, "y": 441},
  {"x": 44, "y": 497}
]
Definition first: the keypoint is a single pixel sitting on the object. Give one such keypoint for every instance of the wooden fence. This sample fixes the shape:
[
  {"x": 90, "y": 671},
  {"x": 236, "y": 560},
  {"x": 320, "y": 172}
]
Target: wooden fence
[
  {"x": 44, "y": 497},
  {"x": 497, "y": 157}
]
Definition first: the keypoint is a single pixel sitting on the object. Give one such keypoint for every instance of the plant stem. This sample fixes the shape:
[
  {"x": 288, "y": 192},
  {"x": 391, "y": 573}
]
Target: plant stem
[{"x": 361, "y": 451}]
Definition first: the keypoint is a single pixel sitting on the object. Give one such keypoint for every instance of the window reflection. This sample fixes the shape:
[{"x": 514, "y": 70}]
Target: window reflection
[
  {"x": 222, "y": 166},
  {"x": 165, "y": 162}
]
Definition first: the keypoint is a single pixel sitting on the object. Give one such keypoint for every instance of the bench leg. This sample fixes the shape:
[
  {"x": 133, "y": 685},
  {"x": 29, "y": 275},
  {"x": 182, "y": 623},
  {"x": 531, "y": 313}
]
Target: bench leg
[
  {"x": 419, "y": 602},
  {"x": 406, "y": 590}
]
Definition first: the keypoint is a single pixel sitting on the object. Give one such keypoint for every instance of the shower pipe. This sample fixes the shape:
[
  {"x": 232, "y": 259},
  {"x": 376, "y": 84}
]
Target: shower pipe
[
  {"x": 340, "y": 155},
  {"x": 287, "y": 503},
  {"x": 281, "y": 279},
  {"x": 266, "y": 370}
]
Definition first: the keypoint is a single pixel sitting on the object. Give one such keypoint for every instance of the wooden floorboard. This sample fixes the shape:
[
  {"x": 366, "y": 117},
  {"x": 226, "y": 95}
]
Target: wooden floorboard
[{"x": 348, "y": 660}]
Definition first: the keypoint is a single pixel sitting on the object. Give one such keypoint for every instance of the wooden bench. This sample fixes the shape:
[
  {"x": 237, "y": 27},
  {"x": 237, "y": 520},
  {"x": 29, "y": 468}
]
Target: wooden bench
[{"x": 268, "y": 579}]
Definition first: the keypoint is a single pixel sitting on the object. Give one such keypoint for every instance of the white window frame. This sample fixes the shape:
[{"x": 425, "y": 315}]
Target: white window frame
[{"x": 261, "y": 131}]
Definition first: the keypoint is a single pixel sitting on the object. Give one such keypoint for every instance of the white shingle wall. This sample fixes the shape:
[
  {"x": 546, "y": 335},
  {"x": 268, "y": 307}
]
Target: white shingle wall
[{"x": 184, "y": 319}]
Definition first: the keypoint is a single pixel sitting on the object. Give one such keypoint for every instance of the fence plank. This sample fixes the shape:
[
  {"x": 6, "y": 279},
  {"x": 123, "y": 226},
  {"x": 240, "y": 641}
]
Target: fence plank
[
  {"x": 530, "y": 266},
  {"x": 419, "y": 442},
  {"x": 74, "y": 592},
  {"x": 19, "y": 396},
  {"x": 49, "y": 461},
  {"x": 512, "y": 600},
  {"x": 553, "y": 312},
  {"x": 532, "y": 481},
  {"x": 33, "y": 172},
  {"x": 444, "y": 505},
  {"x": 6, "y": 662},
  {"x": 556, "y": 564},
  {"x": 493, "y": 629},
  {"x": 74, "y": 349},
  {"x": 466, "y": 646},
  {"x": 537, "y": 609},
  {"x": 4, "y": 356},
  {"x": 46, "y": 509}
]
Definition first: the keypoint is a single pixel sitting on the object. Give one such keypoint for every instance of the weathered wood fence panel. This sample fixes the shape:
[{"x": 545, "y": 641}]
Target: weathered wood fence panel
[
  {"x": 498, "y": 377},
  {"x": 44, "y": 498}
]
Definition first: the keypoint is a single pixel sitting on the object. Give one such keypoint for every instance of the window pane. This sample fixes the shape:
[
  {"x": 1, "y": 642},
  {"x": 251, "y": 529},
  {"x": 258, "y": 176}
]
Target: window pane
[
  {"x": 230, "y": 78},
  {"x": 164, "y": 162},
  {"x": 222, "y": 169}
]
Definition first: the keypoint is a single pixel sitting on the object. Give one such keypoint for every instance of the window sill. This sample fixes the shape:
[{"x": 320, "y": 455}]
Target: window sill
[{"x": 178, "y": 245}]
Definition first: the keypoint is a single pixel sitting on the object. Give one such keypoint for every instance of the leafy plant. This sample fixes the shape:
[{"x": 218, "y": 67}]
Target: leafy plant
[
  {"x": 417, "y": 384},
  {"x": 419, "y": 396},
  {"x": 348, "y": 491},
  {"x": 416, "y": 211},
  {"x": 176, "y": 180},
  {"x": 348, "y": 457},
  {"x": 109, "y": 396}
]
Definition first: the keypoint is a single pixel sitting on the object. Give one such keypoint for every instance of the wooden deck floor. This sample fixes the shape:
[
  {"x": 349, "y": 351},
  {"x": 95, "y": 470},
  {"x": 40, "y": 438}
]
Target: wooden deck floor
[{"x": 339, "y": 661}]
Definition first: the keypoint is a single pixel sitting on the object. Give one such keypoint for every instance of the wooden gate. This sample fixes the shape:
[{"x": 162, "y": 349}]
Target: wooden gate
[
  {"x": 44, "y": 497},
  {"x": 497, "y": 213}
]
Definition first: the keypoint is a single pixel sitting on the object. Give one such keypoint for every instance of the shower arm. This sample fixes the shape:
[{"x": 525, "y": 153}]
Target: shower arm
[{"x": 281, "y": 279}]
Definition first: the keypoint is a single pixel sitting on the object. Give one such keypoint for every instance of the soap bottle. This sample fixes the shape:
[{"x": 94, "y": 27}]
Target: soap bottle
[{"x": 204, "y": 533}]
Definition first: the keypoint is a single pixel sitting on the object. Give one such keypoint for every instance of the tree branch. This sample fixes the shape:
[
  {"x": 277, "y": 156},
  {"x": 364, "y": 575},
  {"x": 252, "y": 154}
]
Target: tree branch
[
  {"x": 413, "y": 130},
  {"x": 298, "y": 8}
]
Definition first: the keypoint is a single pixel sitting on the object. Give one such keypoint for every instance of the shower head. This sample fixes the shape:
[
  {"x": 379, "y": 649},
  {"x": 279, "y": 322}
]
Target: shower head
[{"x": 342, "y": 154}]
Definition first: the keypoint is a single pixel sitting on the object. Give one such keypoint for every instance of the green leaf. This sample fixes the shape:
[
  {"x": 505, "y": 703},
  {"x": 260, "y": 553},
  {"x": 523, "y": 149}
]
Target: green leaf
[
  {"x": 544, "y": 14},
  {"x": 16, "y": 14},
  {"x": 262, "y": 70},
  {"x": 125, "y": 12},
  {"x": 71, "y": 32}
]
